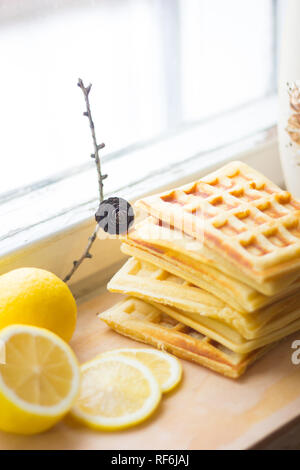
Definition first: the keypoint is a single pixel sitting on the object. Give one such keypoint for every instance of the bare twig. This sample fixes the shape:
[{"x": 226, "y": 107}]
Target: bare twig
[
  {"x": 95, "y": 155},
  {"x": 86, "y": 254}
]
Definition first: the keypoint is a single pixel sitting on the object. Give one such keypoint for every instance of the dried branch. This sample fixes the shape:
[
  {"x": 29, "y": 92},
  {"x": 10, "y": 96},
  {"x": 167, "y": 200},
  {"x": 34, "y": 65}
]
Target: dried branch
[
  {"x": 86, "y": 254},
  {"x": 95, "y": 155}
]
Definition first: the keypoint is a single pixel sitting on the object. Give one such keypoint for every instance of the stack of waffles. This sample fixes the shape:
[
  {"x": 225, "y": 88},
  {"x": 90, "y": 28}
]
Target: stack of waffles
[{"x": 214, "y": 273}]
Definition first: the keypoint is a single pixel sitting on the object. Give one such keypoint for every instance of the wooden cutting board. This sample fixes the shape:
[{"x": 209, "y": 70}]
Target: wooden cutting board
[{"x": 206, "y": 412}]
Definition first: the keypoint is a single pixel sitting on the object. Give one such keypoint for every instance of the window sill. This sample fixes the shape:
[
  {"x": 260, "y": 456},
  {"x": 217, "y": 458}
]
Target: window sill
[{"x": 50, "y": 223}]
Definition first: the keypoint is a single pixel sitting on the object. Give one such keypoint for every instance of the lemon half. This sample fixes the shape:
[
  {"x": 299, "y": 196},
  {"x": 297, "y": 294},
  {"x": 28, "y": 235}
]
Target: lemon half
[
  {"x": 39, "y": 379},
  {"x": 166, "y": 368},
  {"x": 116, "y": 392}
]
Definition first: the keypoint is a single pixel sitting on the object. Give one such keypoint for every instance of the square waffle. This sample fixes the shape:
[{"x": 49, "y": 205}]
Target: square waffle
[
  {"x": 146, "y": 323},
  {"x": 248, "y": 221},
  {"x": 154, "y": 236},
  {"x": 225, "y": 335},
  {"x": 234, "y": 293},
  {"x": 148, "y": 282}
]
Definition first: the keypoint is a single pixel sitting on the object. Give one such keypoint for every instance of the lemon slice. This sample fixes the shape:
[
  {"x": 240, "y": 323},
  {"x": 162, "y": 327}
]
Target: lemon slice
[
  {"x": 39, "y": 379},
  {"x": 116, "y": 392},
  {"x": 166, "y": 368}
]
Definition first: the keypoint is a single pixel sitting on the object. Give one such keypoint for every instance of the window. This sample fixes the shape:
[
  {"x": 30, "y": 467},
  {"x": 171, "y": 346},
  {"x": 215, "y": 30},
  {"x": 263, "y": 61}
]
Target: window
[{"x": 157, "y": 66}]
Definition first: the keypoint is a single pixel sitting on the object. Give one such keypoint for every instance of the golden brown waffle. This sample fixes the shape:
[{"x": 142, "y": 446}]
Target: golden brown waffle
[
  {"x": 237, "y": 295},
  {"x": 153, "y": 236},
  {"x": 226, "y": 335},
  {"x": 148, "y": 282},
  {"x": 143, "y": 322},
  {"x": 247, "y": 220}
]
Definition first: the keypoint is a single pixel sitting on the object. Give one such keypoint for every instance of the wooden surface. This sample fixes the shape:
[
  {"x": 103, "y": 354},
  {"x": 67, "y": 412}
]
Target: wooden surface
[{"x": 206, "y": 412}]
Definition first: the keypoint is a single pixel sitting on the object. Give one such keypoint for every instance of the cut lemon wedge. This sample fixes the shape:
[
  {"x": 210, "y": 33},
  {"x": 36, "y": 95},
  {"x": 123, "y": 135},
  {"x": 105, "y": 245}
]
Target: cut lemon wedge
[
  {"x": 39, "y": 379},
  {"x": 166, "y": 368},
  {"x": 116, "y": 392}
]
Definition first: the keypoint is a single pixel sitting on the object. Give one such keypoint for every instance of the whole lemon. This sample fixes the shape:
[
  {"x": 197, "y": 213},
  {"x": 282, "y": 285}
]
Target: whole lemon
[{"x": 32, "y": 296}]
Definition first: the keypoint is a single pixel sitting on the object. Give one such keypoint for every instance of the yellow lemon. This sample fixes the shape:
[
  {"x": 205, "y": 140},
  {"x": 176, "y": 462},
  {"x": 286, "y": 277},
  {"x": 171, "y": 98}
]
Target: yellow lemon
[
  {"x": 39, "y": 379},
  {"x": 166, "y": 368},
  {"x": 32, "y": 296},
  {"x": 116, "y": 392}
]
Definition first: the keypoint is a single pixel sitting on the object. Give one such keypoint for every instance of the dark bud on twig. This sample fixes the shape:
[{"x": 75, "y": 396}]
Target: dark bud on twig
[
  {"x": 86, "y": 114},
  {"x": 100, "y": 146},
  {"x": 92, "y": 155},
  {"x": 115, "y": 215},
  {"x": 103, "y": 177},
  {"x": 75, "y": 263},
  {"x": 88, "y": 255}
]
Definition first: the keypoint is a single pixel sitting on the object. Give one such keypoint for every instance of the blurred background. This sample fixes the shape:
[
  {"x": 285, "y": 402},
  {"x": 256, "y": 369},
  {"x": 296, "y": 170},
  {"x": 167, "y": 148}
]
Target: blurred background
[{"x": 156, "y": 66}]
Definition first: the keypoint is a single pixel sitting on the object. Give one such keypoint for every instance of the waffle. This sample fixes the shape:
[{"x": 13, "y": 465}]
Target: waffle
[
  {"x": 146, "y": 323},
  {"x": 148, "y": 282},
  {"x": 246, "y": 221},
  {"x": 154, "y": 236},
  {"x": 226, "y": 335},
  {"x": 237, "y": 295}
]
